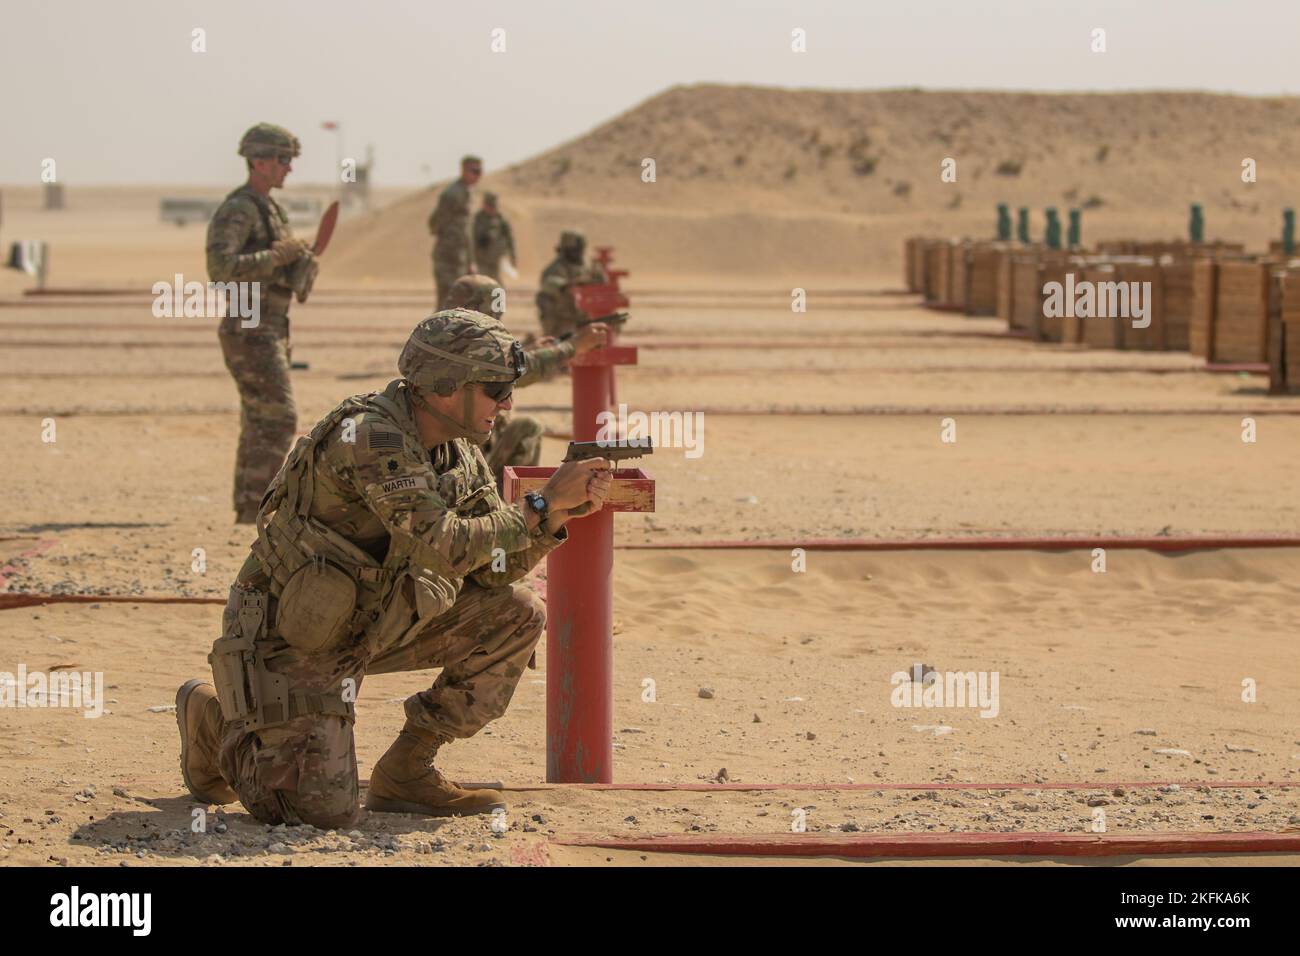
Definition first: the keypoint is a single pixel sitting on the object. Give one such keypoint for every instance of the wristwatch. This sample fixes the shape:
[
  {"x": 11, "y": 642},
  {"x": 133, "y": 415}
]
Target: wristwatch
[{"x": 536, "y": 502}]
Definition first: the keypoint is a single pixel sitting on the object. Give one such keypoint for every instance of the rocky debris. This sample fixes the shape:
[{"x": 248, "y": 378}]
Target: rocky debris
[
  {"x": 706, "y": 693},
  {"x": 1145, "y": 732},
  {"x": 1171, "y": 752}
]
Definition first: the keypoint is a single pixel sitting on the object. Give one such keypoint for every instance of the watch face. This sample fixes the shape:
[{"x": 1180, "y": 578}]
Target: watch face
[{"x": 537, "y": 502}]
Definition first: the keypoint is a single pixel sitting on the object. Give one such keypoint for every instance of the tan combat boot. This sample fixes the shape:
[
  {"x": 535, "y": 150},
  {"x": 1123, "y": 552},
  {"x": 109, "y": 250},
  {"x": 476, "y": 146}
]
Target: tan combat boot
[
  {"x": 198, "y": 714},
  {"x": 405, "y": 781}
]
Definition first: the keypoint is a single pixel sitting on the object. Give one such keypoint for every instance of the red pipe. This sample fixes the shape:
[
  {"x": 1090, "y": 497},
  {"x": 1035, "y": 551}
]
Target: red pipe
[
  {"x": 834, "y": 787},
  {"x": 580, "y": 621},
  {"x": 15, "y": 599},
  {"x": 1009, "y": 543},
  {"x": 951, "y": 844}
]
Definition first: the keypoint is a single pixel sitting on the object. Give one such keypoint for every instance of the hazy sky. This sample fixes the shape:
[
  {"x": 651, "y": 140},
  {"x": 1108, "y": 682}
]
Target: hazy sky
[{"x": 113, "y": 92}]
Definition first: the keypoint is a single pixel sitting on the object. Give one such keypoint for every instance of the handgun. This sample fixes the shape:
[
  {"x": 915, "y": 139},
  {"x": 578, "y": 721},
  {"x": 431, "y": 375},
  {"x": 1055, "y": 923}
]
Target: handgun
[
  {"x": 614, "y": 451},
  {"x": 614, "y": 320}
]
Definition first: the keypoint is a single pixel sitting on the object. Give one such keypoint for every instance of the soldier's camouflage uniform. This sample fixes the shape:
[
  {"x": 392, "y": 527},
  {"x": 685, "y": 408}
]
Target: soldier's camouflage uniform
[
  {"x": 239, "y": 250},
  {"x": 556, "y": 308},
  {"x": 492, "y": 240},
  {"x": 452, "y": 245},
  {"x": 374, "y": 483}
]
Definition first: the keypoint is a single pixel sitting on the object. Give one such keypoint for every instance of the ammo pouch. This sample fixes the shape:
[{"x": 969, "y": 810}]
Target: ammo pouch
[{"x": 327, "y": 589}]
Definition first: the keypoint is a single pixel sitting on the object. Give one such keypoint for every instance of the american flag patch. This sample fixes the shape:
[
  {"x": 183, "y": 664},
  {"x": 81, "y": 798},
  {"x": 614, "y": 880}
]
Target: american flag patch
[{"x": 384, "y": 441}]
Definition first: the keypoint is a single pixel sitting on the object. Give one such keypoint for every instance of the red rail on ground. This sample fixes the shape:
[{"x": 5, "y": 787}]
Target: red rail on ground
[
  {"x": 830, "y": 787},
  {"x": 950, "y": 844},
  {"x": 1009, "y": 543},
  {"x": 14, "y": 599}
]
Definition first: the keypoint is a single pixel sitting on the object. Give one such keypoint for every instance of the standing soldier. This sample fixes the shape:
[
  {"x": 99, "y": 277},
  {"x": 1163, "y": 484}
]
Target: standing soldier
[
  {"x": 382, "y": 547},
  {"x": 449, "y": 224},
  {"x": 517, "y": 439},
  {"x": 555, "y": 305},
  {"x": 249, "y": 241},
  {"x": 492, "y": 239}
]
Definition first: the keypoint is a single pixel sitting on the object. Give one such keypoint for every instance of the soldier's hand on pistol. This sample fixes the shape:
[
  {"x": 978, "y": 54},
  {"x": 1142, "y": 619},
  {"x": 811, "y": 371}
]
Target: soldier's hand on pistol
[
  {"x": 286, "y": 251},
  {"x": 571, "y": 485},
  {"x": 597, "y": 491},
  {"x": 594, "y": 336}
]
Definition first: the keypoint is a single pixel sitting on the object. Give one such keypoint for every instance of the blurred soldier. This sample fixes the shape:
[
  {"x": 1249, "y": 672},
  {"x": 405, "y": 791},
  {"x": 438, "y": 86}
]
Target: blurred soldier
[
  {"x": 555, "y": 305},
  {"x": 449, "y": 224},
  {"x": 492, "y": 238},
  {"x": 383, "y": 546},
  {"x": 517, "y": 439},
  {"x": 249, "y": 241}
]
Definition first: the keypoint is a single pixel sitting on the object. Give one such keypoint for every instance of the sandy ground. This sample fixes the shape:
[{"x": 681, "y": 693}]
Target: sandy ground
[
  {"x": 824, "y": 424},
  {"x": 137, "y": 479}
]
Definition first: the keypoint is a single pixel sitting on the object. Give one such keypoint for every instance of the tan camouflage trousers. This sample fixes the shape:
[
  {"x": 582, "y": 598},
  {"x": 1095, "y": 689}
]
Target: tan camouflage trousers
[
  {"x": 305, "y": 771},
  {"x": 516, "y": 440},
  {"x": 258, "y": 359}
]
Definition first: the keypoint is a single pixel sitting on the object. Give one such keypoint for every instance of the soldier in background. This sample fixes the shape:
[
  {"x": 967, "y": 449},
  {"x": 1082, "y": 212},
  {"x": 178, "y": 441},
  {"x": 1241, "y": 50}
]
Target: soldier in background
[
  {"x": 556, "y": 308},
  {"x": 449, "y": 223},
  {"x": 492, "y": 239},
  {"x": 517, "y": 439},
  {"x": 249, "y": 240},
  {"x": 383, "y": 547}
]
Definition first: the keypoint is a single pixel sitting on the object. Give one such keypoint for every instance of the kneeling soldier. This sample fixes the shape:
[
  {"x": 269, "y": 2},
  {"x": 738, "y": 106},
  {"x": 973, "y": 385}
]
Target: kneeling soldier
[{"x": 382, "y": 546}]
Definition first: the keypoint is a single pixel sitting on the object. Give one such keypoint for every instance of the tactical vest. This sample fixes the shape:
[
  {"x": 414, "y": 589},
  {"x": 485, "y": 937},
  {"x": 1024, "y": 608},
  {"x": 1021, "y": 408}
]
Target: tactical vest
[
  {"x": 328, "y": 590},
  {"x": 278, "y": 290}
]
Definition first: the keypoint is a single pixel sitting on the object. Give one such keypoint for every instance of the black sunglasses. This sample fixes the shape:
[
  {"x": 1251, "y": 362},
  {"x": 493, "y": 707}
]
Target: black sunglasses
[{"x": 497, "y": 391}]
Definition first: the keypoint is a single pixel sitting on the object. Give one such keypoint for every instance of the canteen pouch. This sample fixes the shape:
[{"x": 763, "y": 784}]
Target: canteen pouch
[{"x": 316, "y": 609}]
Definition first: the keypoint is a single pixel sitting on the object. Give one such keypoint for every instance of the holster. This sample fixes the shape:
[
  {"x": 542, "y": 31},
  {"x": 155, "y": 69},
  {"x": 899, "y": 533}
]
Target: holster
[{"x": 251, "y": 695}]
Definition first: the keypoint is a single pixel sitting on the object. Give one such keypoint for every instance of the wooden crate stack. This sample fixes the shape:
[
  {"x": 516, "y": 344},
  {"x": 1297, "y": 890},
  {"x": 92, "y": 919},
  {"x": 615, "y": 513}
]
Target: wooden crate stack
[
  {"x": 1200, "y": 330},
  {"x": 1052, "y": 268},
  {"x": 1006, "y": 257},
  {"x": 1095, "y": 332},
  {"x": 1240, "y": 324},
  {"x": 1176, "y": 301},
  {"x": 1151, "y": 338},
  {"x": 1289, "y": 309},
  {"x": 1026, "y": 292},
  {"x": 983, "y": 264},
  {"x": 938, "y": 272},
  {"x": 959, "y": 272}
]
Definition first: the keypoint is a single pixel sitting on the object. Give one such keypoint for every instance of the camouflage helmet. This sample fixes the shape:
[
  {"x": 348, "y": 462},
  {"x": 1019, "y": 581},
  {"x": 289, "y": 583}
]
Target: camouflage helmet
[
  {"x": 267, "y": 139},
  {"x": 456, "y": 346},
  {"x": 571, "y": 238},
  {"x": 478, "y": 293},
  {"x": 489, "y": 199}
]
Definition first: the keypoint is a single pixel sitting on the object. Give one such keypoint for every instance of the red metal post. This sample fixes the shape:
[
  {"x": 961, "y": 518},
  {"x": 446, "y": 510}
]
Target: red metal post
[
  {"x": 580, "y": 610},
  {"x": 602, "y": 298}
]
